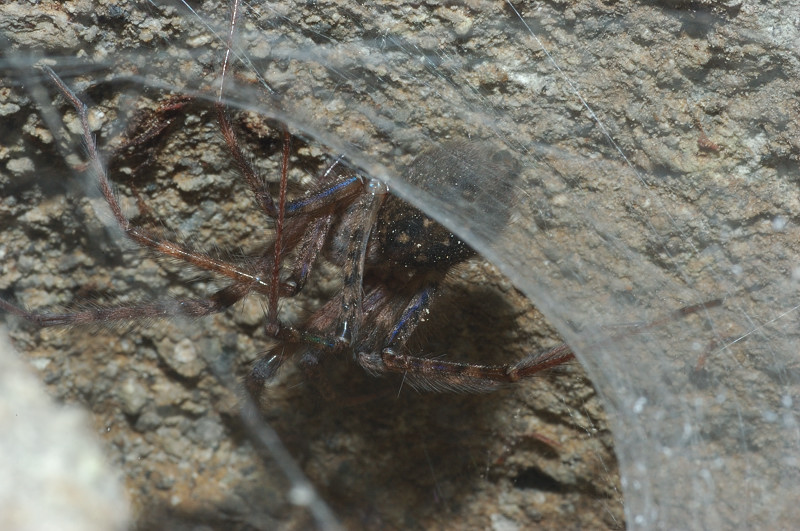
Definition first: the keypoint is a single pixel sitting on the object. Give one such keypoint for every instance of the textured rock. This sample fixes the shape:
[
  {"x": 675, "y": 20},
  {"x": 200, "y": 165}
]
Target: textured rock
[{"x": 695, "y": 95}]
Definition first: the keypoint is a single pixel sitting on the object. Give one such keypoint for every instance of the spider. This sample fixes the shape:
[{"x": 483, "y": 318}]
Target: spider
[{"x": 393, "y": 258}]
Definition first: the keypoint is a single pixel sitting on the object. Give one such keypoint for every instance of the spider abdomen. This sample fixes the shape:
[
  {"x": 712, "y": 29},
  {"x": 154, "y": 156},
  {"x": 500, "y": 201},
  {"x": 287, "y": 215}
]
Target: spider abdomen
[{"x": 469, "y": 175}]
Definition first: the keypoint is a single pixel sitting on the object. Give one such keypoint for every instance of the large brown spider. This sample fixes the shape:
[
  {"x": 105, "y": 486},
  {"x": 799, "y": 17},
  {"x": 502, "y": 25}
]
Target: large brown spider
[{"x": 392, "y": 256}]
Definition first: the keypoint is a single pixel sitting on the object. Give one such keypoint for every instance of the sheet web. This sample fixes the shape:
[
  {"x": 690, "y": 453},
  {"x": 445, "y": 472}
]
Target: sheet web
[
  {"x": 658, "y": 174},
  {"x": 658, "y": 159}
]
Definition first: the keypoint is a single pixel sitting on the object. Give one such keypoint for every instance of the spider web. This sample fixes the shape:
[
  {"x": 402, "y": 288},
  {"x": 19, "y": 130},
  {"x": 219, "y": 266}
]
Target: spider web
[
  {"x": 657, "y": 174},
  {"x": 659, "y": 170}
]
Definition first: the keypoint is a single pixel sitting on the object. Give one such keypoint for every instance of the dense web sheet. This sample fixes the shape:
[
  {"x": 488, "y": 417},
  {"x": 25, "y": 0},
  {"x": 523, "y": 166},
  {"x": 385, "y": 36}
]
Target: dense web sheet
[
  {"x": 658, "y": 148},
  {"x": 692, "y": 202}
]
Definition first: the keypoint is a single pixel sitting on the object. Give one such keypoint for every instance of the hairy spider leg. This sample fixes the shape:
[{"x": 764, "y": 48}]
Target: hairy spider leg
[
  {"x": 364, "y": 214},
  {"x": 200, "y": 307},
  {"x": 138, "y": 234},
  {"x": 326, "y": 197},
  {"x": 257, "y": 185},
  {"x": 322, "y": 199},
  {"x": 437, "y": 375},
  {"x": 317, "y": 230},
  {"x": 244, "y": 279},
  {"x": 272, "y": 306}
]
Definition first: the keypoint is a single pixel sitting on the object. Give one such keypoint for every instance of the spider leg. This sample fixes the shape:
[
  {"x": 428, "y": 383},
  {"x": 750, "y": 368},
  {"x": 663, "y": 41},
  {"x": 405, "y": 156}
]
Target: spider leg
[
  {"x": 365, "y": 213},
  {"x": 361, "y": 216},
  {"x": 342, "y": 192},
  {"x": 324, "y": 198},
  {"x": 438, "y": 375},
  {"x": 315, "y": 234},
  {"x": 217, "y": 302},
  {"x": 315, "y": 336},
  {"x": 310, "y": 247},
  {"x": 138, "y": 234},
  {"x": 291, "y": 338},
  {"x": 256, "y": 183}
]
